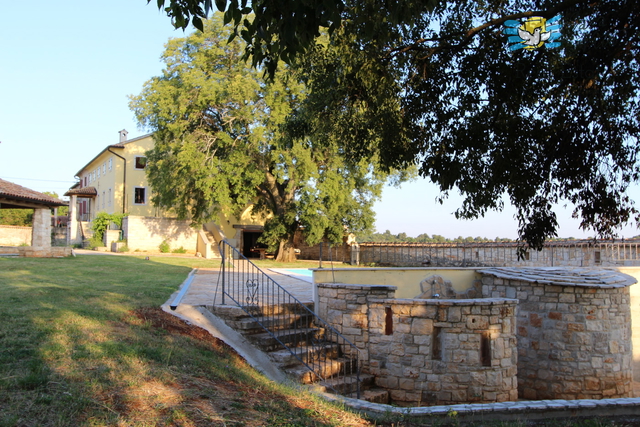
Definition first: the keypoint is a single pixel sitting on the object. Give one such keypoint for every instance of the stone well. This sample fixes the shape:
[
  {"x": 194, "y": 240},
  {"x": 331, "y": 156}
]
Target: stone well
[
  {"x": 428, "y": 351},
  {"x": 573, "y": 330}
]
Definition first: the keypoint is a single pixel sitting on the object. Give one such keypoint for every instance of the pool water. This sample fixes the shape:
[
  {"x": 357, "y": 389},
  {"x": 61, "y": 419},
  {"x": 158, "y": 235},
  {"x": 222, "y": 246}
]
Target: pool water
[{"x": 298, "y": 273}]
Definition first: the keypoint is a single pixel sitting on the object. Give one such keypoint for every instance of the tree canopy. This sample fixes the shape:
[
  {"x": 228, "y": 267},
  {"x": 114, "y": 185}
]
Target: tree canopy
[
  {"x": 438, "y": 87},
  {"x": 221, "y": 144}
]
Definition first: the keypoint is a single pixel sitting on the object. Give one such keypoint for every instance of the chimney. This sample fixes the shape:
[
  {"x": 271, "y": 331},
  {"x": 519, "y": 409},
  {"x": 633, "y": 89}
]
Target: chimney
[{"x": 123, "y": 135}]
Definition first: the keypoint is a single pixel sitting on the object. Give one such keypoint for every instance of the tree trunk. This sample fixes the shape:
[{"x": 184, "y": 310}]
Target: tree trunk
[{"x": 286, "y": 251}]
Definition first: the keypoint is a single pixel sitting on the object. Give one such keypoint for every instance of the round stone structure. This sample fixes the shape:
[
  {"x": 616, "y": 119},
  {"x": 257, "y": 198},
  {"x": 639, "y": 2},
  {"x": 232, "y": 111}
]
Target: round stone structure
[
  {"x": 427, "y": 351},
  {"x": 573, "y": 330}
]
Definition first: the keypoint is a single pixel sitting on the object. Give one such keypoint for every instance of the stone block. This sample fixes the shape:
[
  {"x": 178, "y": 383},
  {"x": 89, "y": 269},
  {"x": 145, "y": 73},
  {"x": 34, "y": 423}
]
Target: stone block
[
  {"x": 398, "y": 395},
  {"x": 566, "y": 297},
  {"x": 422, "y": 326},
  {"x": 477, "y": 322},
  {"x": 454, "y": 315}
]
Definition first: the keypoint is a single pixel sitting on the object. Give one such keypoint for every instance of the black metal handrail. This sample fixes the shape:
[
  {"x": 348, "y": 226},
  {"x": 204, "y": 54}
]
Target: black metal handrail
[{"x": 330, "y": 357}]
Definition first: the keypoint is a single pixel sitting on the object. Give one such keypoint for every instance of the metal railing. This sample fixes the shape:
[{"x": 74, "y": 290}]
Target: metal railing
[{"x": 331, "y": 358}]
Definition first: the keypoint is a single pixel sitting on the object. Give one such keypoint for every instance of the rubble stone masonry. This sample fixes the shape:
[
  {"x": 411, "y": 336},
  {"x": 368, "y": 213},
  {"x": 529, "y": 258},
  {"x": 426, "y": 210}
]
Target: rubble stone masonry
[
  {"x": 574, "y": 342},
  {"x": 428, "y": 352}
]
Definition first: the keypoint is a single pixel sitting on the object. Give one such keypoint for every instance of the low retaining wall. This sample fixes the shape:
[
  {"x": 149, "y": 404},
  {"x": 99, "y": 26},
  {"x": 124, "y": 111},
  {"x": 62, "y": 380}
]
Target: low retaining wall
[
  {"x": 13, "y": 235},
  {"x": 428, "y": 352},
  {"x": 31, "y": 252}
]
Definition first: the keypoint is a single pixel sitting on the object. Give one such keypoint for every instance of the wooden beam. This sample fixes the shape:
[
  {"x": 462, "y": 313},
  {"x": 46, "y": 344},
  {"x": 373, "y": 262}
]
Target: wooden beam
[{"x": 19, "y": 204}]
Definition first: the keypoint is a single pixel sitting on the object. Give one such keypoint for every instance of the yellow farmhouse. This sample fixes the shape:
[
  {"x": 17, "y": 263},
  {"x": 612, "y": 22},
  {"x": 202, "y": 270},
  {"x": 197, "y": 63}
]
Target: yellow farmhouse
[{"x": 114, "y": 181}]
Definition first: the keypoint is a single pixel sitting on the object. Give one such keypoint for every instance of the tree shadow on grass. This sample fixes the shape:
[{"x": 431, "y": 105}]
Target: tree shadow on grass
[{"x": 85, "y": 343}]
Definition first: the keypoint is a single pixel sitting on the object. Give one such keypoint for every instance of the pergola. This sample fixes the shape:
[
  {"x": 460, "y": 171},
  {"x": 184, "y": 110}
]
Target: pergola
[{"x": 14, "y": 196}]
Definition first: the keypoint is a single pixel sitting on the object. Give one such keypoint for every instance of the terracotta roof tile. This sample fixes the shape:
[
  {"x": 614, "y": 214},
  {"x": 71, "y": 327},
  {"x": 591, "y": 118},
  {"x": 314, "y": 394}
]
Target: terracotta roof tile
[
  {"x": 12, "y": 191},
  {"x": 84, "y": 191}
]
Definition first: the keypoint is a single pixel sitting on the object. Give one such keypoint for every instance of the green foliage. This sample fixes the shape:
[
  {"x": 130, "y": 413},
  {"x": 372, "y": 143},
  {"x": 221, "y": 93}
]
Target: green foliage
[
  {"x": 535, "y": 127},
  {"x": 422, "y": 238},
  {"x": 62, "y": 210},
  {"x": 286, "y": 29},
  {"x": 225, "y": 139},
  {"x": 179, "y": 250},
  {"x": 164, "y": 247},
  {"x": 438, "y": 87},
  {"x": 101, "y": 223},
  {"x": 117, "y": 218},
  {"x": 123, "y": 248},
  {"x": 96, "y": 241},
  {"x": 19, "y": 217}
]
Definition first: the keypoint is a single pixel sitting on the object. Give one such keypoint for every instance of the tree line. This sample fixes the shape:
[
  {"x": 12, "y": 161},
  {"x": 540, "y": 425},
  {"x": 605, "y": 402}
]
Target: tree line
[{"x": 388, "y": 237}]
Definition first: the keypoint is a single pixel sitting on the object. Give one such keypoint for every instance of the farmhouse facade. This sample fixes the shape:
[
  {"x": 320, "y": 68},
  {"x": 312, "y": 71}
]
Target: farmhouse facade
[{"x": 115, "y": 182}]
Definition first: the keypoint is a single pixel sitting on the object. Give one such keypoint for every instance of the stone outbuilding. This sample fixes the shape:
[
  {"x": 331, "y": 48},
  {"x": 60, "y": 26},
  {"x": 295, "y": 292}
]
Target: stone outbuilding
[{"x": 14, "y": 196}]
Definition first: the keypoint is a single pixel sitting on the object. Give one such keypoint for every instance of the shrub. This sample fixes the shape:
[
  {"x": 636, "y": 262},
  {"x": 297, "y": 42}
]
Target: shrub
[
  {"x": 101, "y": 222},
  {"x": 95, "y": 241},
  {"x": 180, "y": 250},
  {"x": 164, "y": 247},
  {"x": 124, "y": 248}
]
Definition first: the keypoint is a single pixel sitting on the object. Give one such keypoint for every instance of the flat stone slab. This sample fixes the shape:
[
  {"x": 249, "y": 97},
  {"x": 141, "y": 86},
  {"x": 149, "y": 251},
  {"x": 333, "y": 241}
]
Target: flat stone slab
[{"x": 563, "y": 276}]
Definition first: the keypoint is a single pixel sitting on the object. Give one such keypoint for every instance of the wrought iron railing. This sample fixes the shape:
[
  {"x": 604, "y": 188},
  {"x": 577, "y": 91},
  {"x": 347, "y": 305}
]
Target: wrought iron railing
[{"x": 332, "y": 360}]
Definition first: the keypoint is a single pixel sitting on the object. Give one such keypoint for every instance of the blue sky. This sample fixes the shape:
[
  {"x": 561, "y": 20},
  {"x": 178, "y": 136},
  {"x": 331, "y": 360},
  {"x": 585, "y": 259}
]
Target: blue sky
[{"x": 66, "y": 70}]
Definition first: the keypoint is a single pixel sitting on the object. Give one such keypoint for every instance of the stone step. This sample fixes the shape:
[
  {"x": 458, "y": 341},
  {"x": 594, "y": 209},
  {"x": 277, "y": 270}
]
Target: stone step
[
  {"x": 249, "y": 325},
  {"x": 307, "y": 354},
  {"x": 373, "y": 395},
  {"x": 292, "y": 328},
  {"x": 322, "y": 369},
  {"x": 290, "y": 337},
  {"x": 233, "y": 312},
  {"x": 345, "y": 385}
]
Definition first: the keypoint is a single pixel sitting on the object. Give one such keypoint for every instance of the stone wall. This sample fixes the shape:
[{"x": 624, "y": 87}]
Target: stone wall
[
  {"x": 563, "y": 253},
  {"x": 574, "y": 341},
  {"x": 428, "y": 352},
  {"x": 13, "y": 235},
  {"x": 31, "y": 252},
  {"x": 337, "y": 252},
  {"x": 147, "y": 233}
]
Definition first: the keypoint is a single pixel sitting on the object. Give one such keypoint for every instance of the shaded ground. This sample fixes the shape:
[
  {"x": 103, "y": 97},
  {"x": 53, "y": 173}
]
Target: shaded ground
[{"x": 237, "y": 401}]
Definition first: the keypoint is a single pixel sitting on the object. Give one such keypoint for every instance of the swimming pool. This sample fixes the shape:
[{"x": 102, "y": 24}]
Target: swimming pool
[{"x": 299, "y": 273}]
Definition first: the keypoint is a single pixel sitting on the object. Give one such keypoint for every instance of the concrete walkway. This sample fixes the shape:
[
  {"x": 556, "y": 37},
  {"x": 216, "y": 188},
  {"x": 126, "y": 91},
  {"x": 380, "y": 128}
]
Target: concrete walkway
[{"x": 205, "y": 288}]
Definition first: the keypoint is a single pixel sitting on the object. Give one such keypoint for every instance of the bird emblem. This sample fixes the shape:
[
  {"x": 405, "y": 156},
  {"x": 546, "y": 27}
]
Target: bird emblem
[{"x": 533, "y": 33}]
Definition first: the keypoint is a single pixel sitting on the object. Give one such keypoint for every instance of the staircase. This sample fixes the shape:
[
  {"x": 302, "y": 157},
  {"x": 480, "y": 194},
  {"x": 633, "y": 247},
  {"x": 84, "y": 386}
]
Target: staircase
[
  {"x": 212, "y": 242},
  {"x": 300, "y": 348},
  {"x": 210, "y": 248},
  {"x": 87, "y": 233}
]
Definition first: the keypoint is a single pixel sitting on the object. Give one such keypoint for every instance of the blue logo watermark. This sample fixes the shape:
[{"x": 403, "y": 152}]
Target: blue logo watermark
[{"x": 533, "y": 33}]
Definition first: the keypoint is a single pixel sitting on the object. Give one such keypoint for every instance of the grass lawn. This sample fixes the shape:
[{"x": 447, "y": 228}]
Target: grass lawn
[{"x": 84, "y": 343}]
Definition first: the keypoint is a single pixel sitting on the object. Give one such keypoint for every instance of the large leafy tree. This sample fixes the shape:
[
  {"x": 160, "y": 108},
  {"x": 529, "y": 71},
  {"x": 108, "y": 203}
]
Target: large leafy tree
[
  {"x": 221, "y": 143},
  {"x": 537, "y": 127}
]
